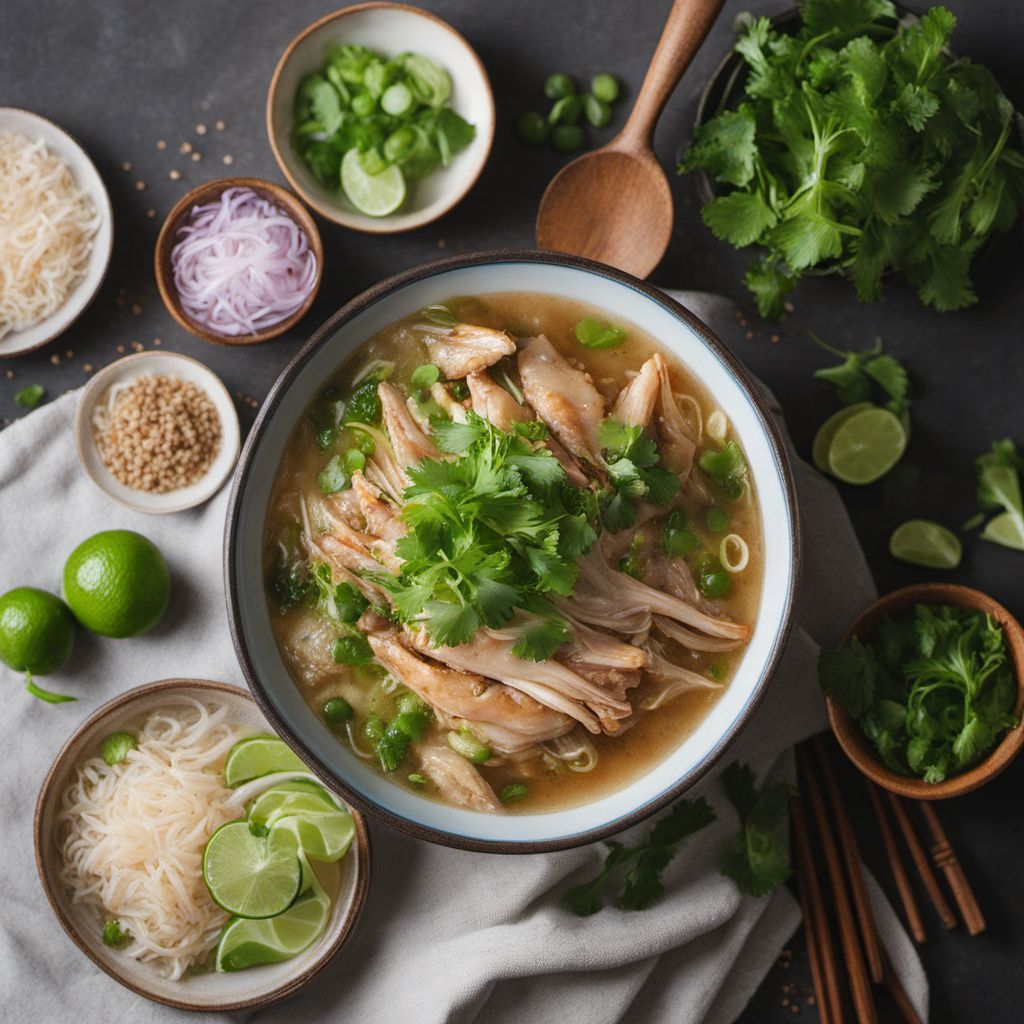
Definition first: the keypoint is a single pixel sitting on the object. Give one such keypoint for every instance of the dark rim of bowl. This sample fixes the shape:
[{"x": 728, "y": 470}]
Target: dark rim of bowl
[
  {"x": 362, "y": 881},
  {"x": 251, "y": 450}
]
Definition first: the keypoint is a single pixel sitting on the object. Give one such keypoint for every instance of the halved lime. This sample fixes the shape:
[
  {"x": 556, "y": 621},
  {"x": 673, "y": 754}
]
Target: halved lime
[
  {"x": 376, "y": 195},
  {"x": 922, "y": 542},
  {"x": 866, "y": 446},
  {"x": 1006, "y": 530},
  {"x": 257, "y": 756},
  {"x": 271, "y": 800},
  {"x": 249, "y": 943},
  {"x": 827, "y": 431},
  {"x": 252, "y": 876}
]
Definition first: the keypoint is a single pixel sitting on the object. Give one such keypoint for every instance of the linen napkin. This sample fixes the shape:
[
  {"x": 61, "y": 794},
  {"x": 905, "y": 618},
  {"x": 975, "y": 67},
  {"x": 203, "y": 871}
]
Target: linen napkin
[{"x": 446, "y": 935}]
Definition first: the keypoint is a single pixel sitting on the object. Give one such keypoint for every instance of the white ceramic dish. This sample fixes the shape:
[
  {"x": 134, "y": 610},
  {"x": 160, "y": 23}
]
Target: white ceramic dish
[
  {"x": 255, "y": 987},
  {"x": 171, "y": 364},
  {"x": 391, "y": 29},
  {"x": 86, "y": 176},
  {"x": 625, "y": 299}
]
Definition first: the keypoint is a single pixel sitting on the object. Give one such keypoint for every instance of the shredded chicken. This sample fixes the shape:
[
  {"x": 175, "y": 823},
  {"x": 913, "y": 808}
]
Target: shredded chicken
[
  {"x": 466, "y": 348},
  {"x": 565, "y": 398},
  {"x": 692, "y": 639},
  {"x": 520, "y": 721},
  {"x": 494, "y": 403},
  {"x": 456, "y": 777},
  {"x": 636, "y": 401},
  {"x": 674, "y": 431},
  {"x": 455, "y": 410},
  {"x": 408, "y": 441}
]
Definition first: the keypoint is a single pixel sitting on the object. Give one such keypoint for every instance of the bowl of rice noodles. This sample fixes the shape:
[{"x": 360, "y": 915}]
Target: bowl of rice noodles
[
  {"x": 125, "y": 842},
  {"x": 58, "y": 231}
]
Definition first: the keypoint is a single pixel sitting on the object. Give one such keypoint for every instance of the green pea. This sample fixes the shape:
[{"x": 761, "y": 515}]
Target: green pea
[
  {"x": 352, "y": 650},
  {"x": 568, "y": 138},
  {"x": 605, "y": 88},
  {"x": 715, "y": 583},
  {"x": 567, "y": 110},
  {"x": 337, "y": 711},
  {"x": 559, "y": 85},
  {"x": 354, "y": 459},
  {"x": 532, "y": 128},
  {"x": 680, "y": 541},
  {"x": 598, "y": 113}
]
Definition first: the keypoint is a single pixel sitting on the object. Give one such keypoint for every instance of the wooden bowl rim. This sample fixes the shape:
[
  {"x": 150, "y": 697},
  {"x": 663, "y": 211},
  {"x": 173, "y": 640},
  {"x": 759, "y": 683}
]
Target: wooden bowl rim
[
  {"x": 338, "y": 215},
  {"x": 856, "y": 745},
  {"x": 47, "y": 795},
  {"x": 204, "y": 193}
]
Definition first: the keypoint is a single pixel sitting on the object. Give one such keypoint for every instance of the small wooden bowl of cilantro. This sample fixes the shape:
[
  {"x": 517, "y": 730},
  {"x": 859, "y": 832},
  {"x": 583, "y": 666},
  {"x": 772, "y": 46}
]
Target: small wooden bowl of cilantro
[{"x": 926, "y": 690}]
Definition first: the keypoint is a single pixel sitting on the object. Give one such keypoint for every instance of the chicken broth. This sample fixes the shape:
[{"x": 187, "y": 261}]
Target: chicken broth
[{"x": 549, "y": 690}]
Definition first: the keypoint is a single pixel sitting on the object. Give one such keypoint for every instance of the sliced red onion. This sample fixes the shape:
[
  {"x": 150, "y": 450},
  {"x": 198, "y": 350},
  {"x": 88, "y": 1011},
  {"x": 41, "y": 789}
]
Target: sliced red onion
[{"x": 242, "y": 265}]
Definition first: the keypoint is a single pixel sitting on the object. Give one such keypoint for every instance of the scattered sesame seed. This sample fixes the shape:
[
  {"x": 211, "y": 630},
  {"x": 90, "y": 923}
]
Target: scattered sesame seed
[
  {"x": 136, "y": 308},
  {"x": 220, "y": 126},
  {"x": 174, "y": 175},
  {"x": 55, "y": 359},
  {"x": 788, "y": 307},
  {"x": 87, "y": 367},
  {"x": 775, "y": 339},
  {"x": 137, "y": 346},
  {"x": 126, "y": 166},
  {"x": 157, "y": 341},
  {"x": 197, "y": 156},
  {"x": 750, "y": 335},
  {"x": 70, "y": 354},
  {"x": 441, "y": 243},
  {"x": 10, "y": 375},
  {"x": 139, "y": 186},
  {"x": 161, "y": 144},
  {"x": 120, "y": 300},
  {"x": 185, "y": 147},
  {"x": 200, "y": 129},
  {"x": 120, "y": 348},
  {"x": 228, "y": 159},
  {"x": 204, "y": 105},
  {"x": 151, "y": 214}
]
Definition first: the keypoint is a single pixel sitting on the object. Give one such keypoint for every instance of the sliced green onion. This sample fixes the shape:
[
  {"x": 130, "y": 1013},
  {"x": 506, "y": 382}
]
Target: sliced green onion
[{"x": 465, "y": 743}]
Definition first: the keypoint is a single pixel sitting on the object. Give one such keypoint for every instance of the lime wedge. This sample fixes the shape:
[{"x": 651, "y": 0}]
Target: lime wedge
[
  {"x": 866, "y": 446},
  {"x": 827, "y": 431},
  {"x": 249, "y": 943},
  {"x": 252, "y": 876},
  {"x": 323, "y": 834},
  {"x": 1006, "y": 530},
  {"x": 257, "y": 756},
  {"x": 270, "y": 800},
  {"x": 922, "y": 542},
  {"x": 376, "y": 195}
]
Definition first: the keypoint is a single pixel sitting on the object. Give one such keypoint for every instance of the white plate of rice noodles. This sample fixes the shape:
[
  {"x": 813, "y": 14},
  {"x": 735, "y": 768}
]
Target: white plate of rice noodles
[
  {"x": 58, "y": 231},
  {"x": 121, "y": 846}
]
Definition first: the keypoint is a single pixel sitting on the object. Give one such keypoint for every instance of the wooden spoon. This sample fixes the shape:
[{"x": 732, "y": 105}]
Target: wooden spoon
[{"x": 614, "y": 203}]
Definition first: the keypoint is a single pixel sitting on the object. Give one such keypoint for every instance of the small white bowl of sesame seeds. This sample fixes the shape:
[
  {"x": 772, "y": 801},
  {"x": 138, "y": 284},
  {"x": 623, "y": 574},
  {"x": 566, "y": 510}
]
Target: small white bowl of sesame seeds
[{"x": 157, "y": 432}]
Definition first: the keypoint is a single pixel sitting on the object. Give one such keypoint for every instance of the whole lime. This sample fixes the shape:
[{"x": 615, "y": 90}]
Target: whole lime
[
  {"x": 37, "y": 631},
  {"x": 117, "y": 583}
]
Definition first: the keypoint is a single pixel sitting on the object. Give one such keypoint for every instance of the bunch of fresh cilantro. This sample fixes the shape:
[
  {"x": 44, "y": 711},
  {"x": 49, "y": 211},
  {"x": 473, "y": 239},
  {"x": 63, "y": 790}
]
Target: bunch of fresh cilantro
[
  {"x": 492, "y": 534},
  {"x": 932, "y": 690},
  {"x": 861, "y": 145}
]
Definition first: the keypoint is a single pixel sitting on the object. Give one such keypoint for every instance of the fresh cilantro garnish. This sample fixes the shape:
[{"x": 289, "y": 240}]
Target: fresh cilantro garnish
[
  {"x": 392, "y": 741},
  {"x": 114, "y": 935},
  {"x": 755, "y": 859},
  {"x": 642, "y": 885},
  {"x": 288, "y": 582},
  {"x": 29, "y": 397},
  {"x": 933, "y": 690},
  {"x": 632, "y": 562},
  {"x": 341, "y": 602},
  {"x": 116, "y": 746},
  {"x": 860, "y": 144},
  {"x": 999, "y": 488},
  {"x": 491, "y": 533},
  {"x": 857, "y": 373},
  {"x": 351, "y": 648},
  {"x": 631, "y": 457},
  {"x": 727, "y": 467}
]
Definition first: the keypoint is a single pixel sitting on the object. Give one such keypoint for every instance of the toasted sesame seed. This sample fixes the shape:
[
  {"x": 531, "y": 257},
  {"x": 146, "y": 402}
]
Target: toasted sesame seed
[
  {"x": 197, "y": 156},
  {"x": 151, "y": 214},
  {"x": 161, "y": 144},
  {"x": 140, "y": 186},
  {"x": 120, "y": 348},
  {"x": 10, "y": 375},
  {"x": 200, "y": 129},
  {"x": 185, "y": 147},
  {"x": 126, "y": 166},
  {"x": 174, "y": 175},
  {"x": 228, "y": 159},
  {"x": 220, "y": 126},
  {"x": 136, "y": 308},
  {"x": 87, "y": 367},
  {"x": 55, "y": 359}
]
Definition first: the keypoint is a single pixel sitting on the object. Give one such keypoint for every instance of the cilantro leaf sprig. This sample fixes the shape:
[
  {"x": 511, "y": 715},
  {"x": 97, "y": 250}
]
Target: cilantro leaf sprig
[
  {"x": 858, "y": 373},
  {"x": 641, "y": 882},
  {"x": 493, "y": 531},
  {"x": 756, "y": 858},
  {"x": 999, "y": 488},
  {"x": 932, "y": 690},
  {"x": 634, "y": 473},
  {"x": 861, "y": 145}
]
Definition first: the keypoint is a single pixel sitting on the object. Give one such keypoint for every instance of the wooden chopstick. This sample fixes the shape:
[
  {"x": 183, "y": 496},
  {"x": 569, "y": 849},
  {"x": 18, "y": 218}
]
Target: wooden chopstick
[
  {"x": 898, "y": 995},
  {"x": 851, "y": 855},
  {"x": 821, "y": 952},
  {"x": 924, "y": 869},
  {"x": 946, "y": 859},
  {"x": 860, "y": 984},
  {"x": 896, "y": 866}
]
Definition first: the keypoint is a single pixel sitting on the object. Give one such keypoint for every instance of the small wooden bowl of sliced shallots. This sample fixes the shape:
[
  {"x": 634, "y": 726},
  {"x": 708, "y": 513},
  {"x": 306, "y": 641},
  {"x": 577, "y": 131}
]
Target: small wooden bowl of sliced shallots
[{"x": 238, "y": 261}]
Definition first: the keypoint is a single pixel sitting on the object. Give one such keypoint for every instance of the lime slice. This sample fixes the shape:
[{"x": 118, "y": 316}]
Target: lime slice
[
  {"x": 257, "y": 756},
  {"x": 1006, "y": 530},
  {"x": 252, "y": 876},
  {"x": 827, "y": 431},
  {"x": 323, "y": 833},
  {"x": 270, "y": 800},
  {"x": 922, "y": 542},
  {"x": 249, "y": 943},
  {"x": 866, "y": 446},
  {"x": 376, "y": 195}
]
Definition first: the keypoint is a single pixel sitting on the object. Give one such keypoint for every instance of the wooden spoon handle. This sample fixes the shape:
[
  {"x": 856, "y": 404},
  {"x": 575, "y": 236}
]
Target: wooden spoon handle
[{"x": 688, "y": 23}]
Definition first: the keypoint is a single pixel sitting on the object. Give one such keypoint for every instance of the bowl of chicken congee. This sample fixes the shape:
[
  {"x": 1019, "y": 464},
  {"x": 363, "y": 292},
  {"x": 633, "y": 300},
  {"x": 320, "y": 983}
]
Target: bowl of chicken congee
[{"x": 512, "y": 551}]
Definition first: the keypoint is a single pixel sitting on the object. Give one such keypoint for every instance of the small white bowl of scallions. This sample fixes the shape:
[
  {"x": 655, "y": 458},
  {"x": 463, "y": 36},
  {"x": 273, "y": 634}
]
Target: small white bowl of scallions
[{"x": 381, "y": 117}]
